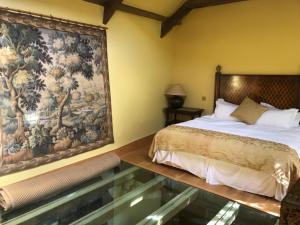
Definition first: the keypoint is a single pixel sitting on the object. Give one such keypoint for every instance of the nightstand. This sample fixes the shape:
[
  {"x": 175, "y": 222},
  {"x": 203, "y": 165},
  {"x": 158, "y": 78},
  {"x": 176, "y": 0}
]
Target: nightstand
[{"x": 181, "y": 114}]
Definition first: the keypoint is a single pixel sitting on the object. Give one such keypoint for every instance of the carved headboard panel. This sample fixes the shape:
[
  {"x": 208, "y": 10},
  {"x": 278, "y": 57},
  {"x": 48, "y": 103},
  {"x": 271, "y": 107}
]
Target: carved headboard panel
[{"x": 281, "y": 91}]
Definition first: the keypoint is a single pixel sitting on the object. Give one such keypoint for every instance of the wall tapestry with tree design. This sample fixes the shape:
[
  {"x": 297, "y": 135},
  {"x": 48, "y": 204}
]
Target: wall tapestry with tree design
[{"x": 54, "y": 90}]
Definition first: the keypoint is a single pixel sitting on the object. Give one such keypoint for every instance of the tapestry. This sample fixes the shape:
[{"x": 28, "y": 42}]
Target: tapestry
[{"x": 54, "y": 90}]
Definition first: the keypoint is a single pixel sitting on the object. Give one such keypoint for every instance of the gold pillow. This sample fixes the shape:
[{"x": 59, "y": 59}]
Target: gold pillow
[{"x": 249, "y": 111}]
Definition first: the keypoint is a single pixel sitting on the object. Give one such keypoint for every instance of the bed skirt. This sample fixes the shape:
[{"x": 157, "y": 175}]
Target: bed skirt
[{"x": 218, "y": 172}]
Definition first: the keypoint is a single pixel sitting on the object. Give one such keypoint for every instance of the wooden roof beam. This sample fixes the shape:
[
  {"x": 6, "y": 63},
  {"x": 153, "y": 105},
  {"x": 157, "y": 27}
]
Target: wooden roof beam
[
  {"x": 185, "y": 9},
  {"x": 140, "y": 12},
  {"x": 175, "y": 19},
  {"x": 206, "y": 3},
  {"x": 130, "y": 9},
  {"x": 110, "y": 8}
]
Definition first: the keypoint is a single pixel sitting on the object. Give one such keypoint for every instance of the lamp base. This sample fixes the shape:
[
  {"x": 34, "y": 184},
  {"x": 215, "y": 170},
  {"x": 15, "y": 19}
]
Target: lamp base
[{"x": 176, "y": 101}]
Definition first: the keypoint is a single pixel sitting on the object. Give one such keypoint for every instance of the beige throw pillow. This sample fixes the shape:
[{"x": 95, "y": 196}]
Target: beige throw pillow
[{"x": 249, "y": 111}]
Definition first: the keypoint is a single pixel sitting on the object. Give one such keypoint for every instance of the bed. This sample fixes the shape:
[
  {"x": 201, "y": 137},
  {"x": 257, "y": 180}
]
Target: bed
[{"x": 263, "y": 160}]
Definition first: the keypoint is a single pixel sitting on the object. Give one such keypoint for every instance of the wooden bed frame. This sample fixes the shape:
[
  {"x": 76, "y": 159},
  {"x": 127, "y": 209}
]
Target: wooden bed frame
[{"x": 281, "y": 91}]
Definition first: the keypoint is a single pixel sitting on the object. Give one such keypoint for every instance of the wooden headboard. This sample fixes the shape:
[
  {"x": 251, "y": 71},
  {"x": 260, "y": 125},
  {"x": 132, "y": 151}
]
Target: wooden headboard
[{"x": 281, "y": 91}]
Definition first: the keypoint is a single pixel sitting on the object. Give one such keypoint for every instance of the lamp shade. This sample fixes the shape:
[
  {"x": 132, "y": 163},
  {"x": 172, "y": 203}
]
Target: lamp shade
[{"x": 176, "y": 89}]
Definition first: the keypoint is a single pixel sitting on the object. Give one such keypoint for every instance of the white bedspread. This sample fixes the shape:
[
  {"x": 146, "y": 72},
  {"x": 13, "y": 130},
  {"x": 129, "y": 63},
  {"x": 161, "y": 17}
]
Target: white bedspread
[
  {"x": 219, "y": 172},
  {"x": 290, "y": 137}
]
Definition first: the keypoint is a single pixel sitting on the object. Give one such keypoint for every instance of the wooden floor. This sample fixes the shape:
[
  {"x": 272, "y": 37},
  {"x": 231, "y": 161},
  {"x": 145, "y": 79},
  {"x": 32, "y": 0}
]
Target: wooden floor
[{"x": 136, "y": 153}]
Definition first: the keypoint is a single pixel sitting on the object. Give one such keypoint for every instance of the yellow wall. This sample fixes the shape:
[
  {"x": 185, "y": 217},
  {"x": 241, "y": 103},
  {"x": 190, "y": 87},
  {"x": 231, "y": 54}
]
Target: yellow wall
[
  {"x": 256, "y": 36},
  {"x": 140, "y": 70}
]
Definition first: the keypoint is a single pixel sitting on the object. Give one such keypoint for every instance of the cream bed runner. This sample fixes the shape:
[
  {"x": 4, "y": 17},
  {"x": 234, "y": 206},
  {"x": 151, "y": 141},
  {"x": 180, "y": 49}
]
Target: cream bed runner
[
  {"x": 277, "y": 160},
  {"x": 45, "y": 185}
]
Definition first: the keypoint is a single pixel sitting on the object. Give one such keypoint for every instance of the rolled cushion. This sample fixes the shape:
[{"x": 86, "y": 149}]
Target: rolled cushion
[
  {"x": 249, "y": 111},
  {"x": 40, "y": 187}
]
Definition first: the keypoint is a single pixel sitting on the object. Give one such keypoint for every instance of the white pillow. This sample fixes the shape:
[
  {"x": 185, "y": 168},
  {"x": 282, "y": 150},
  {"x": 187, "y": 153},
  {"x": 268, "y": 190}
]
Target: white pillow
[
  {"x": 224, "y": 109},
  {"x": 294, "y": 122},
  {"x": 268, "y": 105},
  {"x": 297, "y": 120}
]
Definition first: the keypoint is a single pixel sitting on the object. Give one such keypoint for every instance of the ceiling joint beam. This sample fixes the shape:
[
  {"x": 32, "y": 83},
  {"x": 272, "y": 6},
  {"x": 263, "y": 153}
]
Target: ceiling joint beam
[
  {"x": 175, "y": 19},
  {"x": 130, "y": 9},
  {"x": 140, "y": 12},
  {"x": 185, "y": 9},
  {"x": 206, "y": 3},
  {"x": 110, "y": 8}
]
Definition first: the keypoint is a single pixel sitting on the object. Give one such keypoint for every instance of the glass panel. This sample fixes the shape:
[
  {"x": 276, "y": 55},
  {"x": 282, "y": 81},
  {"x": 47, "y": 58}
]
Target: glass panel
[
  {"x": 75, "y": 203},
  {"x": 200, "y": 211},
  {"x": 129, "y": 195},
  {"x": 249, "y": 216}
]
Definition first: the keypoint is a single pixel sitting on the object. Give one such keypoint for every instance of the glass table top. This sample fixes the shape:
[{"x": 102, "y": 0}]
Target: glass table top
[{"x": 129, "y": 195}]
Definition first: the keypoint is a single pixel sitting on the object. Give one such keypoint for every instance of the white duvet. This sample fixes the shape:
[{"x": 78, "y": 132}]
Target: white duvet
[{"x": 290, "y": 137}]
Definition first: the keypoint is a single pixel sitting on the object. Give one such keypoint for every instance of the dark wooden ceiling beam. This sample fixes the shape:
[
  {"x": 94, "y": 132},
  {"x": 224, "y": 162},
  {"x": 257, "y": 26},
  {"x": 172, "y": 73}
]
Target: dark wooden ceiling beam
[
  {"x": 130, "y": 9},
  {"x": 98, "y": 2},
  {"x": 206, "y": 3},
  {"x": 110, "y": 8},
  {"x": 175, "y": 19},
  {"x": 185, "y": 9},
  {"x": 140, "y": 12}
]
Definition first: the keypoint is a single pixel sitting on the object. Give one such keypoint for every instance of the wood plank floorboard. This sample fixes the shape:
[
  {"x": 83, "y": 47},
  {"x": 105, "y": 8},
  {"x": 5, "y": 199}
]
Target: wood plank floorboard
[{"x": 136, "y": 153}]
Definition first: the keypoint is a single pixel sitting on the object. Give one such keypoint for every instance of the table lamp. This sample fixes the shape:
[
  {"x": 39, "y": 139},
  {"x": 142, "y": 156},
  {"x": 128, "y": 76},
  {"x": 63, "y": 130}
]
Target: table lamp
[{"x": 176, "y": 94}]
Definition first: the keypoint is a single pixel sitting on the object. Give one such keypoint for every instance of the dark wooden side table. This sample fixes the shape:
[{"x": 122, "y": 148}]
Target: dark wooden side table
[
  {"x": 290, "y": 207},
  {"x": 182, "y": 114}
]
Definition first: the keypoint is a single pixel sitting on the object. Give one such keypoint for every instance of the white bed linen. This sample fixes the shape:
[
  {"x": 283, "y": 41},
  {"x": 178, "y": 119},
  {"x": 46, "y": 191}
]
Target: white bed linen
[
  {"x": 287, "y": 136},
  {"x": 219, "y": 172}
]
